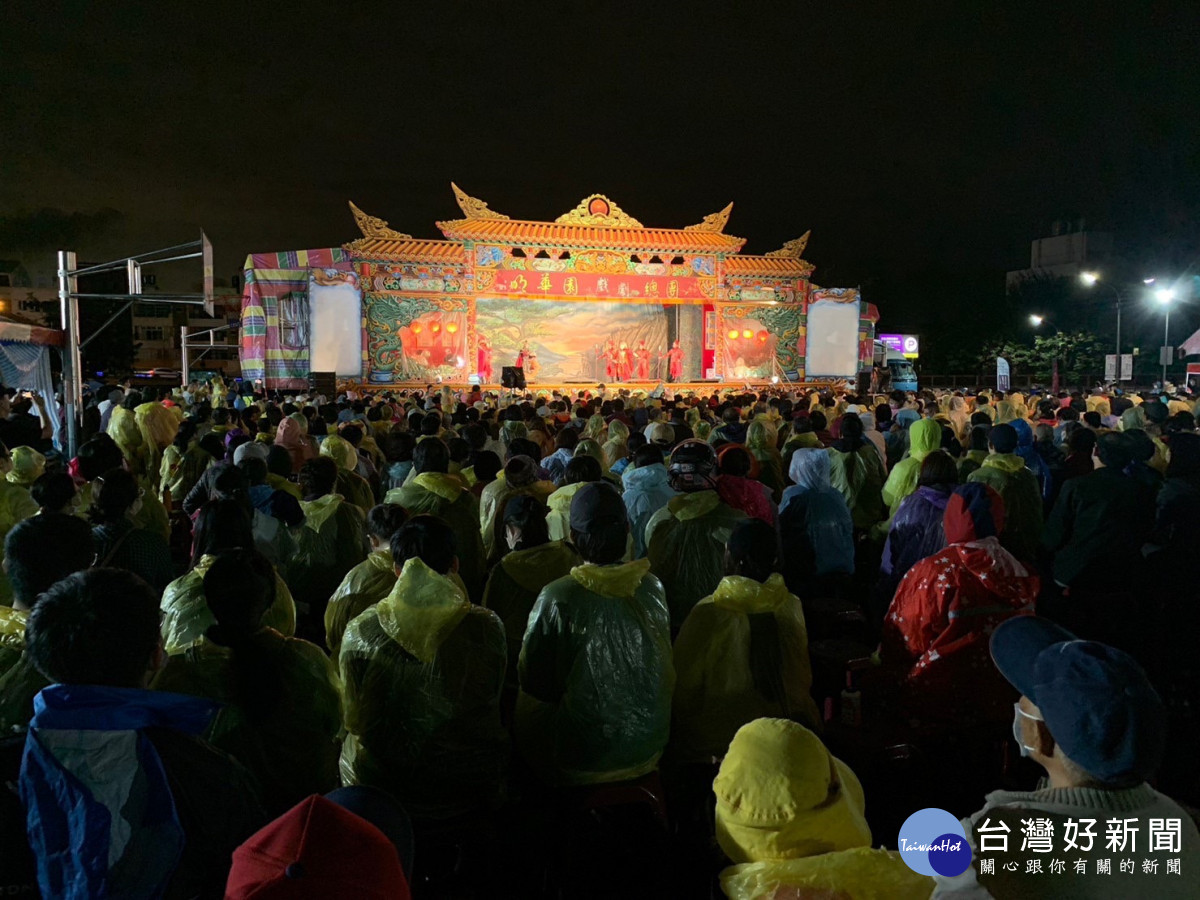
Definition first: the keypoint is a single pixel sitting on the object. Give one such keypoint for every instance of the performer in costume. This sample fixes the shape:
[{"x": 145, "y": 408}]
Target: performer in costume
[
  {"x": 484, "y": 360},
  {"x": 675, "y": 362},
  {"x": 520, "y": 363},
  {"x": 531, "y": 366},
  {"x": 610, "y": 361},
  {"x": 624, "y": 363},
  {"x": 642, "y": 353}
]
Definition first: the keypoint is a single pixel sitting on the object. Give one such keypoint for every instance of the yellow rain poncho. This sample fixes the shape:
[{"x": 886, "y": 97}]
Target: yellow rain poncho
[
  {"x": 761, "y": 442},
  {"x": 292, "y": 744},
  {"x": 350, "y": 484},
  {"x": 856, "y": 874},
  {"x": 179, "y": 472},
  {"x": 331, "y": 542},
  {"x": 616, "y": 447},
  {"x": 443, "y": 495},
  {"x": 18, "y": 686},
  {"x": 27, "y": 466},
  {"x": 596, "y": 676},
  {"x": 186, "y": 616},
  {"x": 924, "y": 436},
  {"x": 364, "y": 585},
  {"x": 157, "y": 426},
  {"x": 152, "y": 516},
  {"x": 422, "y": 673},
  {"x": 715, "y": 694},
  {"x": 514, "y": 586},
  {"x": 685, "y": 543},
  {"x": 16, "y": 505},
  {"x": 558, "y": 519},
  {"x": 496, "y": 496},
  {"x": 123, "y": 429}
]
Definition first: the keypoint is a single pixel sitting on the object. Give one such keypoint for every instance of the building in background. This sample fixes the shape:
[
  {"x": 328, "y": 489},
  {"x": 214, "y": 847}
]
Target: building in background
[{"x": 1069, "y": 250}]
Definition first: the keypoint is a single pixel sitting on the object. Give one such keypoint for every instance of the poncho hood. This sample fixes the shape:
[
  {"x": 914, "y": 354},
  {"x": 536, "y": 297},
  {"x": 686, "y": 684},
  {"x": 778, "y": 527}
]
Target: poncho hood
[
  {"x": 810, "y": 469},
  {"x": 694, "y": 505},
  {"x": 618, "y": 581},
  {"x": 444, "y": 485},
  {"x": 422, "y": 610},
  {"x": 318, "y": 512},
  {"x": 745, "y": 595}
]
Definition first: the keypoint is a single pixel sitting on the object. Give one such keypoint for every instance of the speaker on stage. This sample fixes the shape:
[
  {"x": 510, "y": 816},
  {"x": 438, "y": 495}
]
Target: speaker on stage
[
  {"x": 512, "y": 377},
  {"x": 324, "y": 383}
]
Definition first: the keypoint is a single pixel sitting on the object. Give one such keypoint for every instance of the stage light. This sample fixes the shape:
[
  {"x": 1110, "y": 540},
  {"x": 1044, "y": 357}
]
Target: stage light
[
  {"x": 747, "y": 334},
  {"x": 416, "y": 328},
  {"x": 1036, "y": 320},
  {"x": 774, "y": 379},
  {"x": 1164, "y": 295},
  {"x": 436, "y": 328},
  {"x": 452, "y": 328},
  {"x": 733, "y": 334},
  {"x": 1089, "y": 278}
]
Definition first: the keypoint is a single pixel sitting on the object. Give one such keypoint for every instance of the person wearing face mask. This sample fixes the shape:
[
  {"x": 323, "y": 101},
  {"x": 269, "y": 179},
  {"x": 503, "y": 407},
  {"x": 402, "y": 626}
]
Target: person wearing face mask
[
  {"x": 120, "y": 544},
  {"x": 1089, "y": 717}
]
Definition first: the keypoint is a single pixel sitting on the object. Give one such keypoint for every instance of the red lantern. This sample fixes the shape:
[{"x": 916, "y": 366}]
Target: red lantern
[
  {"x": 762, "y": 337},
  {"x": 416, "y": 328},
  {"x": 436, "y": 328},
  {"x": 452, "y": 327},
  {"x": 733, "y": 334},
  {"x": 747, "y": 334}
]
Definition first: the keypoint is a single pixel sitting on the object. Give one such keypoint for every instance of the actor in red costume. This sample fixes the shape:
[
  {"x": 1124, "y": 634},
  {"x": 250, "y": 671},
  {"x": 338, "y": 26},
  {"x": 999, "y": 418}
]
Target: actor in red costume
[
  {"x": 675, "y": 362},
  {"x": 642, "y": 354}
]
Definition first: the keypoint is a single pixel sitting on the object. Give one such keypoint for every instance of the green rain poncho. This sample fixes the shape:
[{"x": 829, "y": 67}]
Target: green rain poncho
[
  {"x": 186, "y": 615},
  {"x": 422, "y": 673},
  {"x": 596, "y": 676},
  {"x": 715, "y": 694},
  {"x": 292, "y": 744},
  {"x": 924, "y": 436},
  {"x": 685, "y": 543},
  {"x": 514, "y": 586},
  {"x": 332, "y": 541},
  {"x": 496, "y": 496},
  {"x": 444, "y": 496},
  {"x": 1008, "y": 476},
  {"x": 761, "y": 442},
  {"x": 859, "y": 477},
  {"x": 364, "y": 585}
]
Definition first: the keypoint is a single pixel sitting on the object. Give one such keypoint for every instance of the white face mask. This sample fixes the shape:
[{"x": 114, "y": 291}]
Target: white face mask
[{"x": 1018, "y": 714}]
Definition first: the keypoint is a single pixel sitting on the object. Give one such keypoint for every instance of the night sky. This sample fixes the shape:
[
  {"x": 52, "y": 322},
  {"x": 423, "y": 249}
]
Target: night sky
[{"x": 924, "y": 144}]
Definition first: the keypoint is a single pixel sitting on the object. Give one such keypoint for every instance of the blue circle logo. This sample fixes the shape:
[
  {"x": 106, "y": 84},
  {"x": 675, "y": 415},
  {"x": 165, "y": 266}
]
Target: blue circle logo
[{"x": 932, "y": 842}]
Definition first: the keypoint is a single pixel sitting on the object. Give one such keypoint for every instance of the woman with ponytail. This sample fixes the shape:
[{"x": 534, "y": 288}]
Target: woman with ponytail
[
  {"x": 742, "y": 653},
  {"x": 282, "y": 709}
]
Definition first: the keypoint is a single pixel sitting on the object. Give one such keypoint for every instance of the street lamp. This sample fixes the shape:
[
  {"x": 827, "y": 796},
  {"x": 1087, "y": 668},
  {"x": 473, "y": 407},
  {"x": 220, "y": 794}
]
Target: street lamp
[
  {"x": 1036, "y": 321},
  {"x": 1091, "y": 279},
  {"x": 1165, "y": 296}
]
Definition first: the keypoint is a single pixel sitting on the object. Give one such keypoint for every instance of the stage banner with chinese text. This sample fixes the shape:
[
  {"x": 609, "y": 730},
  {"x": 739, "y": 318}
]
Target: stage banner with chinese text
[{"x": 569, "y": 285}]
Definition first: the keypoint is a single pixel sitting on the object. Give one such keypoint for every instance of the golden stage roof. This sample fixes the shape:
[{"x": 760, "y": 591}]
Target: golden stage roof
[{"x": 596, "y": 222}]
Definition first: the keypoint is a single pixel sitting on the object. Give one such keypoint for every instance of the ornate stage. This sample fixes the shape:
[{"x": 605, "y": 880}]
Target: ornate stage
[{"x": 591, "y": 293}]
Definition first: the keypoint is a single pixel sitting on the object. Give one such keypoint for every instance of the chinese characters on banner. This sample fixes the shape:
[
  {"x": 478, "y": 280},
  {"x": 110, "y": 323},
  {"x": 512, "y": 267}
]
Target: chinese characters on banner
[{"x": 592, "y": 285}]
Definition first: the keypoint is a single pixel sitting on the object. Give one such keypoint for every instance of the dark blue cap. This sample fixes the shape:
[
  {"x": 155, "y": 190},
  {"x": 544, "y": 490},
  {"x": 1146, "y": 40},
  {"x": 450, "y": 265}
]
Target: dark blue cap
[{"x": 1095, "y": 699}]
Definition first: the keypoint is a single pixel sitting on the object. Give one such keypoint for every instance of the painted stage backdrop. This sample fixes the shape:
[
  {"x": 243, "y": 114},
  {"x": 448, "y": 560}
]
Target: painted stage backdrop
[{"x": 569, "y": 338}]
